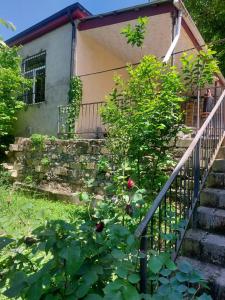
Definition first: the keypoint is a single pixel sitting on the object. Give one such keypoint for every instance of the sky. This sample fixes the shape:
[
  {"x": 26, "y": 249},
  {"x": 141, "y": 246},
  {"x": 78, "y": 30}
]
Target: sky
[{"x": 25, "y": 13}]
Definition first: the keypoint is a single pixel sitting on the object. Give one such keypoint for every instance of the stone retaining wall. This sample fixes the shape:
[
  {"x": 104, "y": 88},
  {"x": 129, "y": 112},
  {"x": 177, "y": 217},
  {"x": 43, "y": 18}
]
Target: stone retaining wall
[
  {"x": 62, "y": 167},
  {"x": 59, "y": 167}
]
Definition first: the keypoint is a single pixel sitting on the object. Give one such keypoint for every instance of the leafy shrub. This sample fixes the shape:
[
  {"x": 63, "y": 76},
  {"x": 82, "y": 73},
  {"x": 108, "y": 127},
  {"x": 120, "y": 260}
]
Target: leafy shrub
[
  {"x": 45, "y": 161},
  {"x": 91, "y": 258},
  {"x": 12, "y": 87},
  {"x": 5, "y": 178},
  {"x": 143, "y": 116},
  {"x": 135, "y": 35},
  {"x": 38, "y": 141}
]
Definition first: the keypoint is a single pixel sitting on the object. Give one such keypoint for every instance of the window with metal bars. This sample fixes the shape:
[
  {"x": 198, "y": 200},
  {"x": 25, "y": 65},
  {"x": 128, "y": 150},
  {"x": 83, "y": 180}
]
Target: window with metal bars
[{"x": 34, "y": 68}]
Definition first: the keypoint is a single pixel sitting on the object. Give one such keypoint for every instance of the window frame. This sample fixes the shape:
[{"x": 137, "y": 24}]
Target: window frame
[{"x": 33, "y": 73}]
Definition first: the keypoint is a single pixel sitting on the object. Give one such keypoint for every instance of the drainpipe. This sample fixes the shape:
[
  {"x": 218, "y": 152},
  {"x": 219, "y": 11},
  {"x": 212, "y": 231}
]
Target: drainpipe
[
  {"x": 73, "y": 45},
  {"x": 176, "y": 38}
]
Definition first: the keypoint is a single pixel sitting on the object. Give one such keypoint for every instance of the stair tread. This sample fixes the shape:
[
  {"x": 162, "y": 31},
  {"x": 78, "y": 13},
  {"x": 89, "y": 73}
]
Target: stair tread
[
  {"x": 214, "y": 190},
  {"x": 206, "y": 237},
  {"x": 217, "y": 212}
]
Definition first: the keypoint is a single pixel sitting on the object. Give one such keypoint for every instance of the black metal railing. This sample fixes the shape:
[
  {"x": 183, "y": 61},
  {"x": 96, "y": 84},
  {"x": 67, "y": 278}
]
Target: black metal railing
[
  {"x": 89, "y": 123},
  {"x": 166, "y": 222}
]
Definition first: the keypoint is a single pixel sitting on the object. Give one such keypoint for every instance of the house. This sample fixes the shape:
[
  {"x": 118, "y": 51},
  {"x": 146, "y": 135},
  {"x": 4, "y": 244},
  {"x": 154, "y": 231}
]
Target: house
[{"x": 75, "y": 42}]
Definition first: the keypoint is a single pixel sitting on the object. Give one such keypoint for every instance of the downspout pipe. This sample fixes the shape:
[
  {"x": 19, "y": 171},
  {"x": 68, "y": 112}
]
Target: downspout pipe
[
  {"x": 176, "y": 38},
  {"x": 73, "y": 45}
]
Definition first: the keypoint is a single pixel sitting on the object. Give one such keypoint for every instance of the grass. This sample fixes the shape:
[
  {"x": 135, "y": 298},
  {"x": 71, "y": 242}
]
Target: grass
[{"x": 20, "y": 214}]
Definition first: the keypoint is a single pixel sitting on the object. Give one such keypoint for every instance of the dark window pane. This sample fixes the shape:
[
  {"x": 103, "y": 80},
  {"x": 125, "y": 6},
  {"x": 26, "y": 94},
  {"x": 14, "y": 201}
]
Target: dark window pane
[
  {"x": 34, "y": 63},
  {"x": 40, "y": 86},
  {"x": 28, "y": 96}
]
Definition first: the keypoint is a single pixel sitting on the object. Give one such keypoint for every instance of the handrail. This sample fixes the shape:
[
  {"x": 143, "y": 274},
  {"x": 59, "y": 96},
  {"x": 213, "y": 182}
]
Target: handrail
[
  {"x": 165, "y": 224},
  {"x": 140, "y": 229}
]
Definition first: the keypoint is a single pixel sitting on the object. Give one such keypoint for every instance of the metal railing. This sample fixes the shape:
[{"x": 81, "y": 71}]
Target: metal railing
[
  {"x": 166, "y": 222},
  {"x": 89, "y": 122}
]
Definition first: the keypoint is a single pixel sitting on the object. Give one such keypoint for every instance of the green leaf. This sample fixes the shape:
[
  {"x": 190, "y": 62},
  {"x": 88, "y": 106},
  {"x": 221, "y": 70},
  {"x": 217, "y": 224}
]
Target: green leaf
[
  {"x": 181, "y": 288},
  {"x": 35, "y": 291},
  {"x": 18, "y": 284},
  {"x": 163, "y": 280},
  {"x": 134, "y": 278},
  {"x": 181, "y": 277},
  {"x": 204, "y": 297},
  {"x": 185, "y": 267},
  {"x": 165, "y": 272},
  {"x": 129, "y": 292},
  {"x": 192, "y": 291},
  {"x": 93, "y": 297},
  {"x": 84, "y": 197},
  {"x": 171, "y": 265},
  {"x": 5, "y": 241},
  {"x": 118, "y": 254},
  {"x": 130, "y": 240},
  {"x": 122, "y": 272},
  {"x": 82, "y": 290},
  {"x": 155, "y": 264}
]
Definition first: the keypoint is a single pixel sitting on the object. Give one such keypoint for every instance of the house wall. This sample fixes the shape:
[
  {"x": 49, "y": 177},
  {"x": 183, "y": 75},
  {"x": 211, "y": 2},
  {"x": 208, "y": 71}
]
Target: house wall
[
  {"x": 42, "y": 118},
  {"x": 104, "y": 48}
]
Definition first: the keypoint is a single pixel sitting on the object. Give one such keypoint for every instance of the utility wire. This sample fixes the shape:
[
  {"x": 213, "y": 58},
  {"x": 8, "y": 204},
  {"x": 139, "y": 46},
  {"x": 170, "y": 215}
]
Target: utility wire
[{"x": 137, "y": 63}]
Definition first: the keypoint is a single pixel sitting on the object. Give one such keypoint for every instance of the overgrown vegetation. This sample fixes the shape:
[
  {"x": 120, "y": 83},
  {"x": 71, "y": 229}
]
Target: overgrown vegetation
[
  {"x": 209, "y": 16},
  {"x": 12, "y": 87},
  {"x": 135, "y": 35},
  {"x": 199, "y": 70},
  {"x": 143, "y": 116},
  {"x": 20, "y": 214},
  {"x": 75, "y": 99},
  {"x": 93, "y": 254}
]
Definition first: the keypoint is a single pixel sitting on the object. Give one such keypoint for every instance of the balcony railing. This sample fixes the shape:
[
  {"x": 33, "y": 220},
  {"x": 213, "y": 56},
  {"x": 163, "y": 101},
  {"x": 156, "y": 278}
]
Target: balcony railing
[{"x": 89, "y": 123}]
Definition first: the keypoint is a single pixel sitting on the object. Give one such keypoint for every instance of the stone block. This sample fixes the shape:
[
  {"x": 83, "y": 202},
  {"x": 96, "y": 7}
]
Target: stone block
[
  {"x": 60, "y": 171},
  {"x": 38, "y": 169},
  {"x": 16, "y": 148},
  {"x": 14, "y": 174}
]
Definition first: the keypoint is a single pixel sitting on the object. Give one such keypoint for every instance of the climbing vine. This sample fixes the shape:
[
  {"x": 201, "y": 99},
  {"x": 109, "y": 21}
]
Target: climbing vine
[{"x": 75, "y": 98}]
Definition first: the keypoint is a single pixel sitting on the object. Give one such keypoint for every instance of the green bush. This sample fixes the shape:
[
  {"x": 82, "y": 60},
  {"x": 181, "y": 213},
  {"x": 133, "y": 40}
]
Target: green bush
[{"x": 12, "y": 88}]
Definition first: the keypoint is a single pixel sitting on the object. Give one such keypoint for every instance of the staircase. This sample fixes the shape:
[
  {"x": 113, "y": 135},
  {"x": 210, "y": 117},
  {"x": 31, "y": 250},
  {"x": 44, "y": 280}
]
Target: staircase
[
  {"x": 204, "y": 243},
  {"x": 190, "y": 208}
]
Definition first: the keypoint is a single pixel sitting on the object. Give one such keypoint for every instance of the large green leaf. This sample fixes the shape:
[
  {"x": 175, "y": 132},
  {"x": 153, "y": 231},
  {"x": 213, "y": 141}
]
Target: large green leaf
[{"x": 155, "y": 264}]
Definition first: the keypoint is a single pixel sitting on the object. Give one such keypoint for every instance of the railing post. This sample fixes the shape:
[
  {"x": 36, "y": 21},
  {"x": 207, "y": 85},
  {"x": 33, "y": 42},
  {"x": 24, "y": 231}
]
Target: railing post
[
  {"x": 196, "y": 178},
  {"x": 143, "y": 262},
  {"x": 197, "y": 170}
]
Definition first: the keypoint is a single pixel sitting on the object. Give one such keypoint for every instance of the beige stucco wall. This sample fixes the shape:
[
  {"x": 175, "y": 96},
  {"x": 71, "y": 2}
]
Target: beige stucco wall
[
  {"x": 42, "y": 118},
  {"x": 105, "y": 48}
]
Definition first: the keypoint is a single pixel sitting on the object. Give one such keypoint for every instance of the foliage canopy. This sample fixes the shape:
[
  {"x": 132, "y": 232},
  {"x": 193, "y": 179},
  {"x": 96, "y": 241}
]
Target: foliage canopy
[
  {"x": 209, "y": 16},
  {"x": 12, "y": 87},
  {"x": 143, "y": 115}
]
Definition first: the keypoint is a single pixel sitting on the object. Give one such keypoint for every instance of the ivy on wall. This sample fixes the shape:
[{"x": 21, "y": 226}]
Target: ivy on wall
[{"x": 75, "y": 99}]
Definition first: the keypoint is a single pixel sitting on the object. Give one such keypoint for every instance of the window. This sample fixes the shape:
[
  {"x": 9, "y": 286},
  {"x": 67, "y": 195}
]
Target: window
[{"x": 34, "y": 68}]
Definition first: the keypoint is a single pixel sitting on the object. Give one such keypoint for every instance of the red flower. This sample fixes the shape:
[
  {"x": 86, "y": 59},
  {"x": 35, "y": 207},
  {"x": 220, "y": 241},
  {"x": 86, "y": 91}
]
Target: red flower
[
  {"x": 129, "y": 210},
  {"x": 99, "y": 227},
  {"x": 130, "y": 183}
]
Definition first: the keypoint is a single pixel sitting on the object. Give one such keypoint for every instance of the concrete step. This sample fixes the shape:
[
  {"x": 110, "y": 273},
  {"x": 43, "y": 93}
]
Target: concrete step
[
  {"x": 219, "y": 166},
  {"x": 216, "y": 180},
  {"x": 213, "y": 198},
  {"x": 221, "y": 153},
  {"x": 211, "y": 219},
  {"x": 205, "y": 246},
  {"x": 215, "y": 275}
]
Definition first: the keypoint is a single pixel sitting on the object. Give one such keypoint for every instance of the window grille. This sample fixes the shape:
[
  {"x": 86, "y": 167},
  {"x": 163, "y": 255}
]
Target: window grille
[{"x": 34, "y": 68}]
